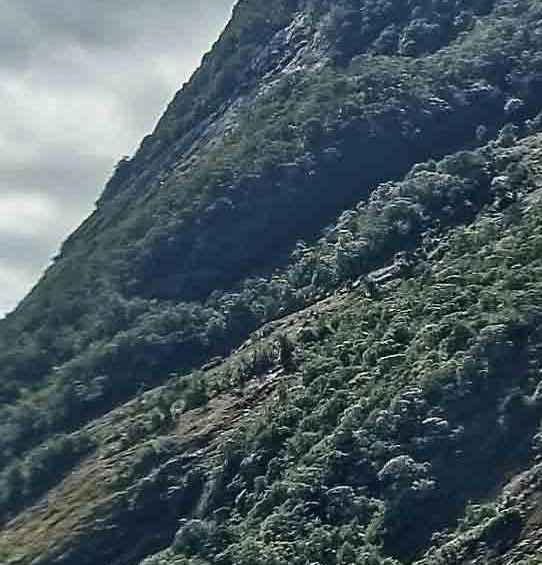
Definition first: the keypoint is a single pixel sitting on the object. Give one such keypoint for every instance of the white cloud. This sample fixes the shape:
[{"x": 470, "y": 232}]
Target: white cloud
[
  {"x": 12, "y": 285},
  {"x": 26, "y": 214}
]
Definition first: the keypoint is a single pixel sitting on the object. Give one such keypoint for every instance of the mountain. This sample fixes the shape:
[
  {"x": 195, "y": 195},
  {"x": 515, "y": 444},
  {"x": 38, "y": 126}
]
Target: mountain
[{"x": 303, "y": 323}]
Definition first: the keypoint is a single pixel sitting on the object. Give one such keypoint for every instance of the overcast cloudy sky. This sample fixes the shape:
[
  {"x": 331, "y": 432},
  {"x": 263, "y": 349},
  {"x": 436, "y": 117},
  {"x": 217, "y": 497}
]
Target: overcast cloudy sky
[{"x": 81, "y": 82}]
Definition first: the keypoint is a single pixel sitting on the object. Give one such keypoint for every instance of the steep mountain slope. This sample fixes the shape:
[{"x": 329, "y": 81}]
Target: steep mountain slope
[{"x": 363, "y": 392}]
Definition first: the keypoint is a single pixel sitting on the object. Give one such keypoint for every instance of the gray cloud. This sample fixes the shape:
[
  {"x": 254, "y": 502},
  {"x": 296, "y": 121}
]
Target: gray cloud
[
  {"x": 31, "y": 25},
  {"x": 80, "y": 84}
]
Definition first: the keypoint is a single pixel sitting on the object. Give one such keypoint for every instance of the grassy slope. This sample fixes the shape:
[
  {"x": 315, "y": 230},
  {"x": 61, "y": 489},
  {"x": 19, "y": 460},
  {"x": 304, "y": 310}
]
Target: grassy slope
[
  {"x": 451, "y": 380},
  {"x": 437, "y": 373},
  {"x": 118, "y": 309}
]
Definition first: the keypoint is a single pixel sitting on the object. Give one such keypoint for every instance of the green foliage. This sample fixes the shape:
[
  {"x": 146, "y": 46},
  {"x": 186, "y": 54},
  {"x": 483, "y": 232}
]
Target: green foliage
[
  {"x": 133, "y": 295},
  {"x": 419, "y": 357},
  {"x": 286, "y": 353},
  {"x": 370, "y": 458},
  {"x": 196, "y": 395},
  {"x": 23, "y": 481}
]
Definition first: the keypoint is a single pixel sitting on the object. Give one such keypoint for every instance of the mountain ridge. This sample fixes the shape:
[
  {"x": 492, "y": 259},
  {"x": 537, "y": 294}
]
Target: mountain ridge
[{"x": 411, "y": 133}]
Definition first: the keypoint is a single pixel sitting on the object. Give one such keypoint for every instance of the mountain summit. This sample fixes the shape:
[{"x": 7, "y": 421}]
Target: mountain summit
[{"x": 303, "y": 323}]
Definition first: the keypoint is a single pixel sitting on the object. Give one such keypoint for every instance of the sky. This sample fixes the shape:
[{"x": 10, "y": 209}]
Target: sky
[{"x": 81, "y": 83}]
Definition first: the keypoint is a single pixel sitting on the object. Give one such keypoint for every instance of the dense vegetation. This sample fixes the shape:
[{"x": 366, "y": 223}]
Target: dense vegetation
[
  {"x": 413, "y": 356},
  {"x": 388, "y": 412}
]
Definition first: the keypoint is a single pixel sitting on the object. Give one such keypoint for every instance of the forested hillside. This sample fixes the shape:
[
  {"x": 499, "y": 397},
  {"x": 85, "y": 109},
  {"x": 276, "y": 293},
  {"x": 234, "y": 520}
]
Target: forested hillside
[{"x": 303, "y": 323}]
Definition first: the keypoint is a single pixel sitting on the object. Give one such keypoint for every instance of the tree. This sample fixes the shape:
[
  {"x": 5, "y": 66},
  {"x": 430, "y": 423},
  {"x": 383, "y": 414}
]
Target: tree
[
  {"x": 286, "y": 353},
  {"x": 196, "y": 396}
]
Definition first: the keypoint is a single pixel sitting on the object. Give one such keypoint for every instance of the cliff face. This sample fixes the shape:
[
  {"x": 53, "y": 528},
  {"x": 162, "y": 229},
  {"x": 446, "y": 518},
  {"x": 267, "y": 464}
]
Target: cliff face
[{"x": 302, "y": 324}]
